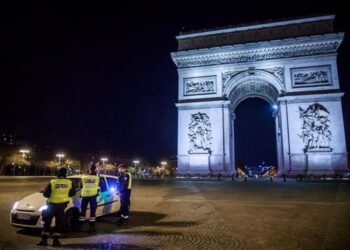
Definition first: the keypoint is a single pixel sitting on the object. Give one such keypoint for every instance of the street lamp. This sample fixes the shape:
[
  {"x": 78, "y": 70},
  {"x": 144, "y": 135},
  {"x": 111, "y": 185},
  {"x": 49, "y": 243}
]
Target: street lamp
[
  {"x": 136, "y": 162},
  {"x": 24, "y": 152},
  {"x": 60, "y": 155},
  {"x": 104, "y": 159}
]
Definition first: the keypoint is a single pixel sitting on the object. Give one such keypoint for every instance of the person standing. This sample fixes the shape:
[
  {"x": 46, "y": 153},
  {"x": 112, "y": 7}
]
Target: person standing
[
  {"x": 124, "y": 188},
  {"x": 89, "y": 192},
  {"x": 58, "y": 192}
]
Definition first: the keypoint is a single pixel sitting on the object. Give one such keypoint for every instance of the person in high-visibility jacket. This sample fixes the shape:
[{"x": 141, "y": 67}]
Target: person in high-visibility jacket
[
  {"x": 124, "y": 188},
  {"x": 89, "y": 192},
  {"x": 58, "y": 192}
]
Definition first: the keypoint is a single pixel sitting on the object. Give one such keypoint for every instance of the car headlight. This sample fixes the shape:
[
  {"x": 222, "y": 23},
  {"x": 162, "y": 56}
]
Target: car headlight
[
  {"x": 42, "y": 208},
  {"x": 15, "y": 205}
]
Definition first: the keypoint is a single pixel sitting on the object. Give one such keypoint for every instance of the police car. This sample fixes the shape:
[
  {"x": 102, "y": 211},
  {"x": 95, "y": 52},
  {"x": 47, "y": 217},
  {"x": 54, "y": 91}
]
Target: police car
[{"x": 26, "y": 213}]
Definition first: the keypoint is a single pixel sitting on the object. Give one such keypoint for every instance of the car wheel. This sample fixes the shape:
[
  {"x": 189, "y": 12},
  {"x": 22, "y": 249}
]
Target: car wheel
[{"x": 71, "y": 220}]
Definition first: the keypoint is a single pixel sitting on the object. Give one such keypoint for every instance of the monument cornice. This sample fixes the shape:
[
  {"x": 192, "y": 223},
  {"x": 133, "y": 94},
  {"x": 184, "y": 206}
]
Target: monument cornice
[
  {"x": 321, "y": 97},
  {"x": 260, "y": 51},
  {"x": 203, "y": 105}
]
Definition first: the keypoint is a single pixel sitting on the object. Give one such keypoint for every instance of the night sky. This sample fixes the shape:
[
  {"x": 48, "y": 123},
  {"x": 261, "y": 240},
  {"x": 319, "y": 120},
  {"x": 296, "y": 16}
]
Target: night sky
[{"x": 98, "y": 77}]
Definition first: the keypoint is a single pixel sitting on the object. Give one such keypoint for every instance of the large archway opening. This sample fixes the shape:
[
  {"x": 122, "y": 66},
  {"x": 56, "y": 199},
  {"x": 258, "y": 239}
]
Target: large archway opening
[{"x": 255, "y": 136}]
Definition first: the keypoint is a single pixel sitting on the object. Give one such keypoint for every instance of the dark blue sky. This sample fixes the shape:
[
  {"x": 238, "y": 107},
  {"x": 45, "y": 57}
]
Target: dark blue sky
[{"x": 97, "y": 76}]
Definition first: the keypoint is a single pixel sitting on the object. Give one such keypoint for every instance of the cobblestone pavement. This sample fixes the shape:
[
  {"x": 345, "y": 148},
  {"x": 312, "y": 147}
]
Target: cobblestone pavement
[{"x": 169, "y": 214}]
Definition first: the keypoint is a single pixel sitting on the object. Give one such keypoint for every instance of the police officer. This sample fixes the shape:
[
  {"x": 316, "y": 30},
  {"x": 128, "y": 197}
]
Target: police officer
[
  {"x": 124, "y": 188},
  {"x": 89, "y": 192},
  {"x": 58, "y": 192}
]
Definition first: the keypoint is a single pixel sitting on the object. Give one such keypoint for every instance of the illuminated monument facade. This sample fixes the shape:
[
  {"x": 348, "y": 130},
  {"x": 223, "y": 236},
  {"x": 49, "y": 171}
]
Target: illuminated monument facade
[{"x": 290, "y": 64}]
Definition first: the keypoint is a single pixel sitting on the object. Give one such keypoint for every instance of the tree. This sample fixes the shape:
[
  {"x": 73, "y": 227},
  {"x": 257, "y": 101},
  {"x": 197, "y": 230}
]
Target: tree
[
  {"x": 72, "y": 165},
  {"x": 107, "y": 168},
  {"x": 17, "y": 160},
  {"x": 51, "y": 165}
]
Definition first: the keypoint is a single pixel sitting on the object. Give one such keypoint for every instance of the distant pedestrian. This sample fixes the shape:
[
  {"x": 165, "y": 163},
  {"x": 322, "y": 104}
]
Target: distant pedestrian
[
  {"x": 124, "y": 188},
  {"x": 89, "y": 192},
  {"x": 58, "y": 192}
]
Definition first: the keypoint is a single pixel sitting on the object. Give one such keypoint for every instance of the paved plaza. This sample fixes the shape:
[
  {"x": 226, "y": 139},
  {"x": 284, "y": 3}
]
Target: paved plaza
[{"x": 197, "y": 214}]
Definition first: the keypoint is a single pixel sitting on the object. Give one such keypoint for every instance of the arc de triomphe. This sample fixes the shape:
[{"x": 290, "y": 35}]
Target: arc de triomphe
[{"x": 290, "y": 64}]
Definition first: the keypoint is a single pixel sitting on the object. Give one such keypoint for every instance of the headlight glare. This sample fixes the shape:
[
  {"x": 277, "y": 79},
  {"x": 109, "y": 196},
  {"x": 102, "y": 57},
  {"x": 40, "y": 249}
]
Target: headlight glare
[
  {"x": 15, "y": 205},
  {"x": 42, "y": 208}
]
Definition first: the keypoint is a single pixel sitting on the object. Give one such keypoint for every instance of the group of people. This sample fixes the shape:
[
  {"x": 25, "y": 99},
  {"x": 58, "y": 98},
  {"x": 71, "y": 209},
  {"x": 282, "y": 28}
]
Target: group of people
[{"x": 59, "y": 191}]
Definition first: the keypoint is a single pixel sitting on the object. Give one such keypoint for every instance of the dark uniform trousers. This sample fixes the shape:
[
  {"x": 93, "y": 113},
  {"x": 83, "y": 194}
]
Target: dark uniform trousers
[
  {"x": 125, "y": 203},
  {"x": 93, "y": 206},
  {"x": 54, "y": 210}
]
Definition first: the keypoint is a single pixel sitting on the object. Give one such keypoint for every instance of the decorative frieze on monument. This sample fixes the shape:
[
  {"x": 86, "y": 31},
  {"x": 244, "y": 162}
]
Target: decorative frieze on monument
[
  {"x": 315, "y": 133},
  {"x": 278, "y": 72},
  {"x": 200, "y": 58},
  {"x": 311, "y": 76},
  {"x": 226, "y": 76},
  {"x": 200, "y": 133},
  {"x": 200, "y": 85}
]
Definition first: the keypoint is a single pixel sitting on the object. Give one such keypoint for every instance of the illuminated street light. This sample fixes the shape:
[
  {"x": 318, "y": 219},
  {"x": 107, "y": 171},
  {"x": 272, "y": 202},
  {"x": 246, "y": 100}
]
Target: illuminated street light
[
  {"x": 136, "y": 162},
  {"x": 104, "y": 159},
  {"x": 24, "y": 152},
  {"x": 60, "y": 155}
]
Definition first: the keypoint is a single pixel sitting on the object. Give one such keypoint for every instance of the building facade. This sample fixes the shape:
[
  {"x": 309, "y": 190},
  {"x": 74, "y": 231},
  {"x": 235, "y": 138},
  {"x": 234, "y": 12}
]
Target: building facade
[{"x": 290, "y": 64}]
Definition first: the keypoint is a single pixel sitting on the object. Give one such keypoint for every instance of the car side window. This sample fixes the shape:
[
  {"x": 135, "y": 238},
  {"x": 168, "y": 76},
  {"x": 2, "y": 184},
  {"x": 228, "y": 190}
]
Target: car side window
[
  {"x": 103, "y": 185},
  {"x": 112, "y": 183}
]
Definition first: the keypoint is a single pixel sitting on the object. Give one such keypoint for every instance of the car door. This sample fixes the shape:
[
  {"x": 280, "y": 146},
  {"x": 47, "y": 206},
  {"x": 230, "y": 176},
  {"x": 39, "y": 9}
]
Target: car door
[
  {"x": 104, "y": 199},
  {"x": 113, "y": 189}
]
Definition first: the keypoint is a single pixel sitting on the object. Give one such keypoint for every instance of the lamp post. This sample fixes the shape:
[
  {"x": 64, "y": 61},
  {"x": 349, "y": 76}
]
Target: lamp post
[
  {"x": 163, "y": 163},
  {"x": 24, "y": 152},
  {"x": 104, "y": 159},
  {"x": 136, "y": 162},
  {"x": 60, "y": 155}
]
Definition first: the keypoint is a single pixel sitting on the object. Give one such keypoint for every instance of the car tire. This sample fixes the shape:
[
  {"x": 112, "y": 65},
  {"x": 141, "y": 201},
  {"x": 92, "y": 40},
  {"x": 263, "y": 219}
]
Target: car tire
[{"x": 71, "y": 222}]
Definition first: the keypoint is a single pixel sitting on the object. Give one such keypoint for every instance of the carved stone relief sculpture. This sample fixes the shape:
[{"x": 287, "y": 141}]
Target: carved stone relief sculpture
[
  {"x": 311, "y": 76},
  {"x": 278, "y": 72},
  {"x": 200, "y": 133},
  {"x": 200, "y": 85},
  {"x": 315, "y": 133}
]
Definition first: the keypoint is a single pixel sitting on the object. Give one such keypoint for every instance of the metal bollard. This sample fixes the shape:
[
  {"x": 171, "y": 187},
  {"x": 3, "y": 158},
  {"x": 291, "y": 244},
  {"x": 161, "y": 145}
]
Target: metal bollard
[
  {"x": 233, "y": 177},
  {"x": 245, "y": 178},
  {"x": 284, "y": 178}
]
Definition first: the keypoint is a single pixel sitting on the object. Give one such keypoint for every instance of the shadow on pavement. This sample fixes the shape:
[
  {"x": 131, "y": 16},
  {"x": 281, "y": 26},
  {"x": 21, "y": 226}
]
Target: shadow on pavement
[
  {"x": 107, "y": 246},
  {"x": 106, "y": 225}
]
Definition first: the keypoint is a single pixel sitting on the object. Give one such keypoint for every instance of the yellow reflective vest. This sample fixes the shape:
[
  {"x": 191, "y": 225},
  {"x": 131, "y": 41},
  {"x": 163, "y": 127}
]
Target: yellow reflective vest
[
  {"x": 90, "y": 184},
  {"x": 130, "y": 180},
  {"x": 60, "y": 190}
]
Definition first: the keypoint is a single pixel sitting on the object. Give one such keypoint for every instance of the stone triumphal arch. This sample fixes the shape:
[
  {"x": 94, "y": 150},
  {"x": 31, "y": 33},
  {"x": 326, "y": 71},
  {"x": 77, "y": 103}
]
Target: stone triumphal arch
[{"x": 290, "y": 64}]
